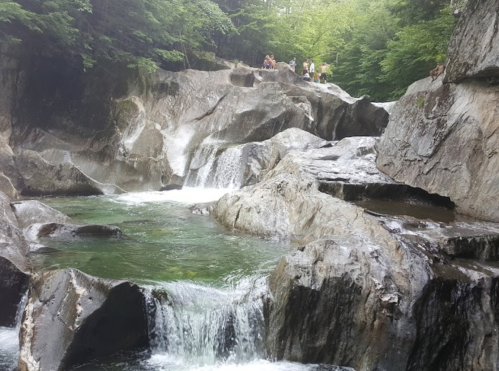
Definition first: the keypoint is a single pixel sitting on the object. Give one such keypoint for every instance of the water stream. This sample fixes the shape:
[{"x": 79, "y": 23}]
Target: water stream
[
  {"x": 204, "y": 283},
  {"x": 9, "y": 340}
]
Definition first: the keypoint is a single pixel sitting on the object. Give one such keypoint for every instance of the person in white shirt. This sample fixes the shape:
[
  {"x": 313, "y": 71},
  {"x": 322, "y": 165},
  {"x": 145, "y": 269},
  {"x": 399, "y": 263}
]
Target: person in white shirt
[{"x": 312, "y": 68}]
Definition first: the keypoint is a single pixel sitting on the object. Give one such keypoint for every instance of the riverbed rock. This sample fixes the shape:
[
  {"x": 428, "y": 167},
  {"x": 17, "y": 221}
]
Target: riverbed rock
[
  {"x": 31, "y": 211},
  {"x": 83, "y": 317},
  {"x": 474, "y": 46},
  {"x": 14, "y": 265},
  {"x": 443, "y": 138}
]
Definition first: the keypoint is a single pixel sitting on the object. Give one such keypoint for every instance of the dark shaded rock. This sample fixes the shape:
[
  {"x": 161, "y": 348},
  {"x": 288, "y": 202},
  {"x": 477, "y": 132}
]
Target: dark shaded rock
[
  {"x": 72, "y": 230},
  {"x": 454, "y": 330},
  {"x": 171, "y": 187},
  {"x": 474, "y": 46},
  {"x": 242, "y": 77},
  {"x": 13, "y": 285},
  {"x": 84, "y": 318},
  {"x": 14, "y": 264}
]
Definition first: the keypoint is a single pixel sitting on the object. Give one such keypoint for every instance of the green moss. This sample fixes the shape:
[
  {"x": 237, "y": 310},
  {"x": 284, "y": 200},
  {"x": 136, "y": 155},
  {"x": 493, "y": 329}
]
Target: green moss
[{"x": 420, "y": 102}]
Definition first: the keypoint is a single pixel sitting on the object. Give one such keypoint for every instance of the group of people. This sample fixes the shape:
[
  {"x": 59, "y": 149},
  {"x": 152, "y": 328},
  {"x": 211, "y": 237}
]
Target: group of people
[
  {"x": 309, "y": 73},
  {"x": 269, "y": 62}
]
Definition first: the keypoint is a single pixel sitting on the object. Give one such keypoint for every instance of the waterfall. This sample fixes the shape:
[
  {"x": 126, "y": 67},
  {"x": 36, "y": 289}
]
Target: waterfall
[
  {"x": 193, "y": 324},
  {"x": 216, "y": 166},
  {"x": 9, "y": 339}
]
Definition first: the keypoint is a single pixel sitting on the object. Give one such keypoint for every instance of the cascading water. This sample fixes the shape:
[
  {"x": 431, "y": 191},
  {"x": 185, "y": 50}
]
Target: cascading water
[
  {"x": 214, "y": 166},
  {"x": 9, "y": 339},
  {"x": 196, "y": 325}
]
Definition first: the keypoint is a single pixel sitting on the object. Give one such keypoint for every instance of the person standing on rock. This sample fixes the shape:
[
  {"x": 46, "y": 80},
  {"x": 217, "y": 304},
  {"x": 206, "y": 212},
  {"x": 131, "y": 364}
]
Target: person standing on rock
[
  {"x": 312, "y": 68},
  {"x": 272, "y": 60},
  {"x": 305, "y": 66},
  {"x": 292, "y": 64},
  {"x": 324, "y": 72}
]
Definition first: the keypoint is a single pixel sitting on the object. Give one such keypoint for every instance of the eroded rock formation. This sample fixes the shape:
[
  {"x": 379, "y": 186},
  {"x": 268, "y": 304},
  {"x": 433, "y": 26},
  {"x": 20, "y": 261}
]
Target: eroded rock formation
[
  {"x": 367, "y": 290},
  {"x": 143, "y": 132},
  {"x": 443, "y": 137}
]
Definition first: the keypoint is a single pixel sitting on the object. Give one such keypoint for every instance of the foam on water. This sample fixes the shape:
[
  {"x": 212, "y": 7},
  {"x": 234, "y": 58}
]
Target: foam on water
[
  {"x": 166, "y": 362},
  {"x": 186, "y": 195}
]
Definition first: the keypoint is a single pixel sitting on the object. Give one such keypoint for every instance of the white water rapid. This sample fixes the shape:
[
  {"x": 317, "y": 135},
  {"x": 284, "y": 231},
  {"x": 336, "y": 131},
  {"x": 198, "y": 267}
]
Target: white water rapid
[
  {"x": 216, "y": 166},
  {"x": 9, "y": 340}
]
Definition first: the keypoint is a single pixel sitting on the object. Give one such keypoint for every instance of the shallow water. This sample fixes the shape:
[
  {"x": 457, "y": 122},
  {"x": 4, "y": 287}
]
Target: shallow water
[
  {"x": 162, "y": 241},
  {"x": 214, "y": 279}
]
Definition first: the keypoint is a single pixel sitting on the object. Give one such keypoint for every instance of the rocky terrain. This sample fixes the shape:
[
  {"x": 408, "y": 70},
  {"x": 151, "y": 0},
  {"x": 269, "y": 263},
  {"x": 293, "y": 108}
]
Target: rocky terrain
[{"x": 443, "y": 136}]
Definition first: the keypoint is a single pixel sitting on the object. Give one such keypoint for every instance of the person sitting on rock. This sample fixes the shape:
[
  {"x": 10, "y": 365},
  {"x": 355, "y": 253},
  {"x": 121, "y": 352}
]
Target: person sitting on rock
[
  {"x": 306, "y": 76},
  {"x": 267, "y": 63},
  {"x": 437, "y": 71}
]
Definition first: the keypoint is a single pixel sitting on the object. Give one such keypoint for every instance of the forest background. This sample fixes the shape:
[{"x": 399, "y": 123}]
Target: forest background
[{"x": 374, "y": 47}]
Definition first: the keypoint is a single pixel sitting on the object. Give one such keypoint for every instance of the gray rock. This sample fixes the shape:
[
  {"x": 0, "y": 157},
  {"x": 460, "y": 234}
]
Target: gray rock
[
  {"x": 245, "y": 164},
  {"x": 150, "y": 134},
  {"x": 71, "y": 318},
  {"x": 42, "y": 178},
  {"x": 31, "y": 212},
  {"x": 474, "y": 46},
  {"x": 14, "y": 265},
  {"x": 443, "y": 138}
]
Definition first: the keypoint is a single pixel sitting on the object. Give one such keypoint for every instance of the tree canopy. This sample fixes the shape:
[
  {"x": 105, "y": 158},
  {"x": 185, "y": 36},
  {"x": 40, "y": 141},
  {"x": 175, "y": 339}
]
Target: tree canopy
[{"x": 375, "y": 47}]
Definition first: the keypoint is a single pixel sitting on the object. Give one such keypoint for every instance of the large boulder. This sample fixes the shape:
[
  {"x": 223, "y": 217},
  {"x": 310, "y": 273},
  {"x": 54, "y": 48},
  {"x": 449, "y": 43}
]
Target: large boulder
[
  {"x": 444, "y": 138},
  {"x": 71, "y": 318},
  {"x": 14, "y": 264},
  {"x": 474, "y": 47}
]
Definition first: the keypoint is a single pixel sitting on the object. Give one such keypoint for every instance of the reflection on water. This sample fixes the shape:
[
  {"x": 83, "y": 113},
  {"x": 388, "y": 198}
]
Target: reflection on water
[
  {"x": 437, "y": 214},
  {"x": 162, "y": 241}
]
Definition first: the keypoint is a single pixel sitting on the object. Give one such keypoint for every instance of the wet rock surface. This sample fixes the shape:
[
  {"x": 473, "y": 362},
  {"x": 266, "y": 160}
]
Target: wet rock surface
[
  {"x": 14, "y": 265},
  {"x": 368, "y": 290},
  {"x": 84, "y": 318},
  {"x": 38, "y": 220},
  {"x": 474, "y": 47}
]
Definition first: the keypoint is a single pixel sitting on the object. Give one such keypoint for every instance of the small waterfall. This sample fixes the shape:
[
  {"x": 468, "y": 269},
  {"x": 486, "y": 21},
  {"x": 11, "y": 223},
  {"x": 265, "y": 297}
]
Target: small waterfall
[
  {"x": 201, "y": 325},
  {"x": 9, "y": 339},
  {"x": 215, "y": 166}
]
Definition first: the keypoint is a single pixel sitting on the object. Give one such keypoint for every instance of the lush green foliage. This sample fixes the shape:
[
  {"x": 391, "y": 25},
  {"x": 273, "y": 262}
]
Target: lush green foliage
[
  {"x": 375, "y": 47},
  {"x": 138, "y": 32}
]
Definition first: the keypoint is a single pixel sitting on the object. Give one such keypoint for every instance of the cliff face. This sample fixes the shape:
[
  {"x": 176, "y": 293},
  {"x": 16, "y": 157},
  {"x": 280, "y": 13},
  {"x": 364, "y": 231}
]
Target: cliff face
[
  {"x": 443, "y": 136},
  {"x": 112, "y": 130}
]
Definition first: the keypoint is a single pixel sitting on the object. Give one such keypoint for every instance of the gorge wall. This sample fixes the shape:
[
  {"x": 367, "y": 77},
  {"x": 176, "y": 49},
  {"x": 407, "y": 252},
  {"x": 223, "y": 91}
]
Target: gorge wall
[
  {"x": 443, "y": 136},
  {"x": 114, "y": 130}
]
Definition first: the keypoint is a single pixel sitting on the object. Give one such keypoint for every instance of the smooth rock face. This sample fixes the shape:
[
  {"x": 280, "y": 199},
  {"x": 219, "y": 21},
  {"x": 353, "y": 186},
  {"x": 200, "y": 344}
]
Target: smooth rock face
[
  {"x": 31, "y": 212},
  {"x": 444, "y": 139},
  {"x": 42, "y": 178},
  {"x": 147, "y": 137},
  {"x": 71, "y": 318},
  {"x": 14, "y": 265},
  {"x": 474, "y": 46}
]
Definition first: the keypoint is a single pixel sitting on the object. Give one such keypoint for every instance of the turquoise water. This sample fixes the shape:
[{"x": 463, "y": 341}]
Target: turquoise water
[{"x": 162, "y": 241}]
